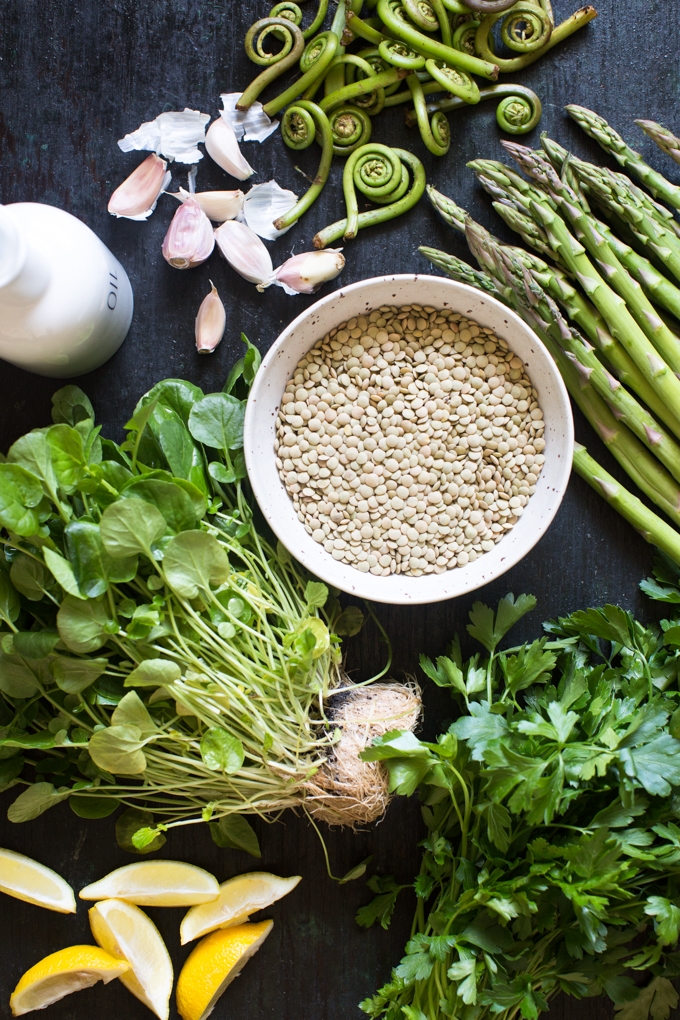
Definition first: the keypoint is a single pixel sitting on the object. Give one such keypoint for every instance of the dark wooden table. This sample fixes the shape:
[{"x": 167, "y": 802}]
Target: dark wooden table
[{"x": 74, "y": 77}]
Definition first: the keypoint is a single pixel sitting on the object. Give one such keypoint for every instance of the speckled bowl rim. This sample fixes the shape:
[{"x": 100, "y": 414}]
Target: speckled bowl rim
[{"x": 358, "y": 298}]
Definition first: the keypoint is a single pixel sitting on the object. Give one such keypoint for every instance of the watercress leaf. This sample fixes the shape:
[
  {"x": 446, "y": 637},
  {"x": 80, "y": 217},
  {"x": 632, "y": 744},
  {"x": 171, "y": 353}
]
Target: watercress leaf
[
  {"x": 76, "y": 675},
  {"x": 153, "y": 673},
  {"x": 349, "y": 623},
  {"x": 316, "y": 594},
  {"x": 145, "y": 837},
  {"x": 131, "y": 711},
  {"x": 666, "y": 919},
  {"x": 62, "y": 571},
  {"x": 20, "y": 492},
  {"x": 70, "y": 406},
  {"x": 356, "y": 872},
  {"x": 221, "y": 751},
  {"x": 35, "y": 644},
  {"x": 93, "y": 568},
  {"x": 236, "y": 833},
  {"x": 177, "y": 394},
  {"x": 169, "y": 499},
  {"x": 33, "y": 453},
  {"x": 30, "y": 577},
  {"x": 17, "y": 679},
  {"x": 10, "y": 770},
  {"x": 81, "y": 624},
  {"x": 221, "y": 474},
  {"x": 34, "y": 801},
  {"x": 131, "y": 526},
  {"x": 130, "y": 822},
  {"x": 86, "y": 806},
  {"x": 217, "y": 421},
  {"x": 9, "y": 600},
  {"x": 68, "y": 456},
  {"x": 194, "y": 562},
  {"x": 244, "y": 371},
  {"x": 655, "y": 1001},
  {"x": 118, "y": 750}
]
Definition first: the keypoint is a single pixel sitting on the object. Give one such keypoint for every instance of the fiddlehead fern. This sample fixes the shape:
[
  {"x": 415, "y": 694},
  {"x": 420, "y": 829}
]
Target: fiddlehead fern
[
  {"x": 463, "y": 38},
  {"x": 377, "y": 64},
  {"x": 350, "y": 127},
  {"x": 518, "y": 113},
  {"x": 429, "y": 16},
  {"x": 317, "y": 56},
  {"x": 489, "y": 6},
  {"x": 381, "y": 174},
  {"x": 365, "y": 86},
  {"x": 274, "y": 63},
  {"x": 436, "y": 133},
  {"x": 398, "y": 54},
  {"x": 453, "y": 80},
  {"x": 517, "y": 32},
  {"x": 300, "y": 125}
]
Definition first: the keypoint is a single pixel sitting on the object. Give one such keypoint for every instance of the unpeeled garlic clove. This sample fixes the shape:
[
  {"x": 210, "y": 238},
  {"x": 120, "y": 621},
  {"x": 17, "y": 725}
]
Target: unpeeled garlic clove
[
  {"x": 306, "y": 272},
  {"x": 136, "y": 197},
  {"x": 245, "y": 252},
  {"x": 222, "y": 146},
  {"x": 217, "y": 205},
  {"x": 210, "y": 322},
  {"x": 190, "y": 239}
]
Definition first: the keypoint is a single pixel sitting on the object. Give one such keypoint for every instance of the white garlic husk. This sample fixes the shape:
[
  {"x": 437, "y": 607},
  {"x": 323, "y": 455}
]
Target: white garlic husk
[
  {"x": 222, "y": 146},
  {"x": 211, "y": 322},
  {"x": 306, "y": 272},
  {"x": 174, "y": 134},
  {"x": 217, "y": 205},
  {"x": 263, "y": 204},
  {"x": 251, "y": 125},
  {"x": 136, "y": 197},
  {"x": 245, "y": 252},
  {"x": 190, "y": 239}
]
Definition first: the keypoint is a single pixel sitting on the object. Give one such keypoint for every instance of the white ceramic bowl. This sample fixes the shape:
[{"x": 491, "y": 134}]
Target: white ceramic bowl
[{"x": 358, "y": 299}]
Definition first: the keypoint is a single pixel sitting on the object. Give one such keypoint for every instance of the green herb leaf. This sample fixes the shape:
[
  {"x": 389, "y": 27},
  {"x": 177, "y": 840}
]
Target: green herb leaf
[
  {"x": 9, "y": 600},
  {"x": 655, "y": 1001},
  {"x": 350, "y": 622},
  {"x": 17, "y": 679},
  {"x": 70, "y": 406},
  {"x": 666, "y": 919},
  {"x": 130, "y": 822},
  {"x": 68, "y": 456},
  {"x": 154, "y": 673},
  {"x": 356, "y": 872},
  {"x": 62, "y": 571},
  {"x": 316, "y": 594},
  {"x": 217, "y": 421},
  {"x": 35, "y": 644},
  {"x": 222, "y": 752},
  {"x": 92, "y": 807},
  {"x": 489, "y": 630},
  {"x": 118, "y": 750},
  {"x": 33, "y": 453},
  {"x": 76, "y": 675},
  {"x": 81, "y": 625},
  {"x": 93, "y": 568},
  {"x": 30, "y": 577},
  {"x": 20, "y": 493},
  {"x": 235, "y": 833},
  {"x": 131, "y": 711},
  {"x": 195, "y": 562},
  {"x": 34, "y": 801},
  {"x": 129, "y": 527},
  {"x": 170, "y": 500},
  {"x": 381, "y": 908}
]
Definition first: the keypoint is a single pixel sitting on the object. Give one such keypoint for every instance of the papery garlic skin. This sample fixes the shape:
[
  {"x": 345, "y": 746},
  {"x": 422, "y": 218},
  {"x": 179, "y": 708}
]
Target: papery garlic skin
[
  {"x": 174, "y": 134},
  {"x": 251, "y": 125},
  {"x": 222, "y": 146},
  {"x": 211, "y": 322},
  {"x": 217, "y": 205},
  {"x": 263, "y": 204},
  {"x": 190, "y": 239},
  {"x": 245, "y": 252},
  {"x": 136, "y": 197},
  {"x": 306, "y": 272}
]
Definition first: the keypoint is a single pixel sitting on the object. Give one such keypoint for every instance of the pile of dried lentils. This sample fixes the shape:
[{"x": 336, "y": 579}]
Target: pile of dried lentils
[{"x": 410, "y": 440}]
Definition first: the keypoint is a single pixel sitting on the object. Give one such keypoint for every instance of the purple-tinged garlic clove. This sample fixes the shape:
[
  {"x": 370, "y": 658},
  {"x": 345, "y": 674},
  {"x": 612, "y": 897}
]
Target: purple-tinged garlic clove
[
  {"x": 211, "y": 322},
  {"x": 136, "y": 197},
  {"x": 190, "y": 239},
  {"x": 306, "y": 272}
]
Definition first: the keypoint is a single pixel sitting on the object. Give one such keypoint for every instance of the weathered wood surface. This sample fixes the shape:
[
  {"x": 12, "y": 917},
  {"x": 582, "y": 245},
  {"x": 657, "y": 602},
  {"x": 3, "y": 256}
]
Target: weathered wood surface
[{"x": 76, "y": 76}]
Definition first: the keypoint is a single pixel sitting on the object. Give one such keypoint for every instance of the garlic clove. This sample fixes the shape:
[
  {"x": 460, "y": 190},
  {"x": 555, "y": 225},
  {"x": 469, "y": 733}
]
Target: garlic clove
[
  {"x": 306, "y": 272},
  {"x": 222, "y": 146},
  {"x": 251, "y": 125},
  {"x": 245, "y": 252},
  {"x": 263, "y": 204},
  {"x": 217, "y": 205},
  {"x": 136, "y": 197},
  {"x": 174, "y": 134},
  {"x": 210, "y": 322},
  {"x": 190, "y": 239}
]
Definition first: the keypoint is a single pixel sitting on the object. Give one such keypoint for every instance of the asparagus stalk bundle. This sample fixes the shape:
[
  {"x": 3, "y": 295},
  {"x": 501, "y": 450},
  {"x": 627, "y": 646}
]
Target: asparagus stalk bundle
[{"x": 616, "y": 277}]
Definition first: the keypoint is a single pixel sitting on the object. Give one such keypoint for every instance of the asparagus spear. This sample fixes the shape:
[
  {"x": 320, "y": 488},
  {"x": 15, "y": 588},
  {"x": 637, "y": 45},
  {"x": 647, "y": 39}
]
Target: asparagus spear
[
  {"x": 569, "y": 204},
  {"x": 575, "y": 259},
  {"x": 652, "y": 528},
  {"x": 612, "y": 142},
  {"x": 664, "y": 138},
  {"x": 558, "y": 285}
]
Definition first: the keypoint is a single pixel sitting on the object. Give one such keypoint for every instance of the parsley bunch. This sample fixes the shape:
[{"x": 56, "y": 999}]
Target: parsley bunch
[{"x": 552, "y": 805}]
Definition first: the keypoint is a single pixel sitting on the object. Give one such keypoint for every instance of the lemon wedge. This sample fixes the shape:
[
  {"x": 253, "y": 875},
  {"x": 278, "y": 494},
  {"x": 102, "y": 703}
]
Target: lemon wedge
[
  {"x": 27, "y": 880},
  {"x": 155, "y": 884},
  {"x": 239, "y": 897},
  {"x": 61, "y": 973},
  {"x": 125, "y": 932},
  {"x": 213, "y": 964}
]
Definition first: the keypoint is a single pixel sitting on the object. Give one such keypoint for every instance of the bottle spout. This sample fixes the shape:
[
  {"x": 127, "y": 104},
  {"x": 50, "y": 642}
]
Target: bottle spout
[{"x": 23, "y": 273}]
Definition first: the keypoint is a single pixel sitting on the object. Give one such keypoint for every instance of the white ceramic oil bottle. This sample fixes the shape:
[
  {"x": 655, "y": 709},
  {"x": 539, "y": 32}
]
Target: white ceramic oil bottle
[{"x": 65, "y": 301}]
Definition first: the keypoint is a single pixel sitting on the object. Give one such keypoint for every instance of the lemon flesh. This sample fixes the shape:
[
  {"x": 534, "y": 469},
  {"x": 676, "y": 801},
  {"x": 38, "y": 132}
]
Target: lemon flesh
[
  {"x": 213, "y": 965},
  {"x": 126, "y": 932},
  {"x": 61, "y": 973},
  {"x": 155, "y": 884},
  {"x": 239, "y": 897},
  {"x": 27, "y": 880}
]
